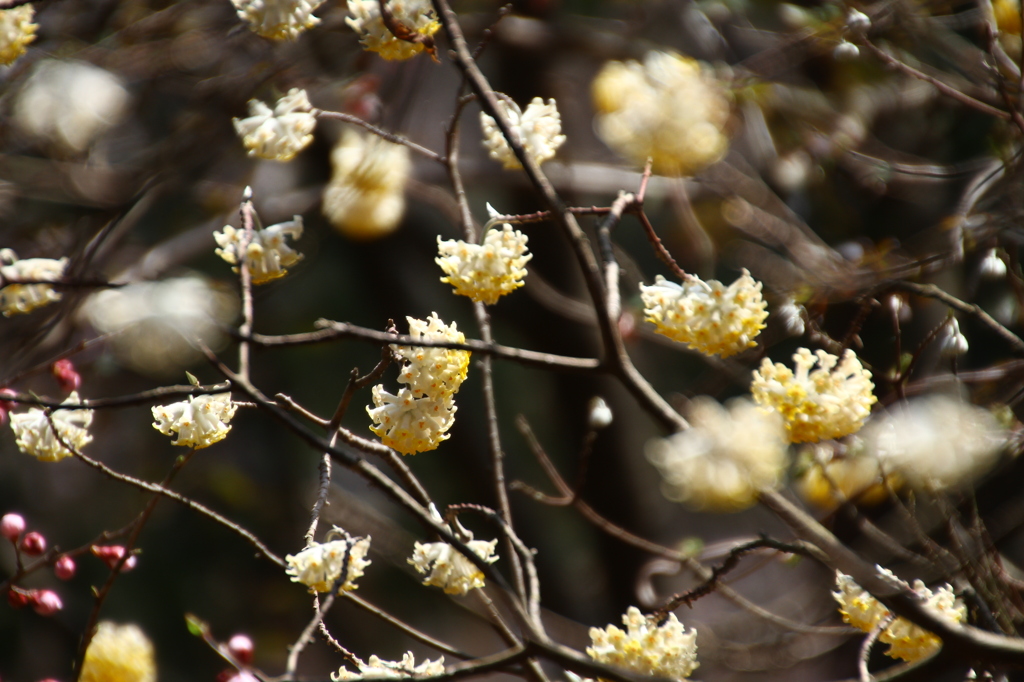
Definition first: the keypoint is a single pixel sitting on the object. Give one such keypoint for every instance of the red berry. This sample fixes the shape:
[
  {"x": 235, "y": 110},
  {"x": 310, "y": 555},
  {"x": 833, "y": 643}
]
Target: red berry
[
  {"x": 64, "y": 568},
  {"x": 241, "y": 647},
  {"x": 17, "y": 599},
  {"x": 33, "y": 543},
  {"x": 46, "y": 602},
  {"x": 12, "y": 526},
  {"x": 66, "y": 375}
]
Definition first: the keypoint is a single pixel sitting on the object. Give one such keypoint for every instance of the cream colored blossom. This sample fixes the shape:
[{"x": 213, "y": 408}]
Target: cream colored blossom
[
  {"x": 707, "y": 316},
  {"x": 365, "y": 197},
  {"x": 267, "y": 253},
  {"x": 666, "y": 650},
  {"x": 118, "y": 653},
  {"x": 415, "y": 15},
  {"x": 16, "y": 32},
  {"x": 376, "y": 669},
  {"x": 830, "y": 402},
  {"x": 724, "y": 459},
  {"x": 539, "y": 129},
  {"x": 936, "y": 442},
  {"x": 278, "y": 19},
  {"x": 906, "y": 640},
  {"x": 24, "y": 298},
  {"x": 485, "y": 272},
  {"x": 431, "y": 371},
  {"x": 320, "y": 565},
  {"x": 669, "y": 108},
  {"x": 409, "y": 424},
  {"x": 447, "y": 567},
  {"x": 35, "y": 436},
  {"x": 199, "y": 421},
  {"x": 281, "y": 133}
]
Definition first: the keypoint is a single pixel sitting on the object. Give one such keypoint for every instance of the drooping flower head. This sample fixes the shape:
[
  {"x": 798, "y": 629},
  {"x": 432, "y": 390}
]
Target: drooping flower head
[
  {"x": 666, "y": 650},
  {"x": 539, "y": 129},
  {"x": 281, "y": 133},
  {"x": 16, "y": 32},
  {"x": 35, "y": 435},
  {"x": 266, "y": 253},
  {"x": 278, "y": 19},
  {"x": 24, "y": 298},
  {"x": 707, "y": 316},
  {"x": 724, "y": 459},
  {"x": 485, "y": 272},
  {"x": 830, "y": 402},
  {"x": 669, "y": 108},
  {"x": 409, "y": 424},
  {"x": 320, "y": 565},
  {"x": 199, "y": 421},
  {"x": 431, "y": 371},
  {"x": 118, "y": 653},
  {"x": 417, "y": 16},
  {"x": 446, "y": 566},
  {"x": 377, "y": 669}
]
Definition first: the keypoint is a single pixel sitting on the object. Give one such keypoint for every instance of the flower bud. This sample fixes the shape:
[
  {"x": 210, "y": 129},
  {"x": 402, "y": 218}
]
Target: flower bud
[
  {"x": 5, "y": 405},
  {"x": 241, "y": 647},
  {"x": 12, "y": 526},
  {"x": 845, "y": 51},
  {"x": 66, "y": 375},
  {"x": 33, "y": 543},
  {"x": 46, "y": 602},
  {"x": 18, "y": 599},
  {"x": 857, "y": 21},
  {"x": 111, "y": 555},
  {"x": 599, "y": 415},
  {"x": 954, "y": 344},
  {"x": 992, "y": 266},
  {"x": 64, "y": 568}
]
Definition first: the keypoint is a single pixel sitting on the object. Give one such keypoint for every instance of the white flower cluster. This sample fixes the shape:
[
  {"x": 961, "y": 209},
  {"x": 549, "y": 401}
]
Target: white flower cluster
[
  {"x": 35, "y": 436},
  {"x": 278, "y": 19},
  {"x": 419, "y": 417},
  {"x": 320, "y": 565},
  {"x": 668, "y": 108},
  {"x": 725, "y": 458},
  {"x": 485, "y": 272},
  {"x": 199, "y": 421},
  {"x": 447, "y": 567},
  {"x": 539, "y": 129},
  {"x": 830, "y": 402},
  {"x": 906, "y": 640},
  {"x": 266, "y": 253},
  {"x": 936, "y": 442},
  {"x": 417, "y": 16},
  {"x": 666, "y": 650},
  {"x": 365, "y": 197},
  {"x": 16, "y": 32},
  {"x": 281, "y": 133},
  {"x": 119, "y": 652},
  {"x": 707, "y": 316},
  {"x": 24, "y": 298},
  {"x": 376, "y": 669}
]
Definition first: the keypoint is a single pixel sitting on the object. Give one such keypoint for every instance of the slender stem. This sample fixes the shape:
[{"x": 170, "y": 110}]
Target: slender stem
[{"x": 380, "y": 132}]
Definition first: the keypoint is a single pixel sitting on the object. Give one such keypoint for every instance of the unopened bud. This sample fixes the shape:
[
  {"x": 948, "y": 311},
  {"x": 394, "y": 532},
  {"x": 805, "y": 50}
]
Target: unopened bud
[
  {"x": 111, "y": 555},
  {"x": 845, "y": 51},
  {"x": 12, "y": 526},
  {"x": 599, "y": 415},
  {"x": 6, "y": 405},
  {"x": 992, "y": 266},
  {"x": 18, "y": 599},
  {"x": 46, "y": 602},
  {"x": 64, "y": 568},
  {"x": 33, "y": 543},
  {"x": 857, "y": 21},
  {"x": 242, "y": 648},
  {"x": 66, "y": 375},
  {"x": 955, "y": 343}
]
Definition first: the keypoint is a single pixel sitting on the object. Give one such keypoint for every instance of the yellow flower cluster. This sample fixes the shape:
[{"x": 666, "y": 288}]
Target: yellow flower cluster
[
  {"x": 16, "y": 32},
  {"x": 378, "y": 669},
  {"x": 321, "y": 564},
  {"x": 266, "y": 254},
  {"x": 906, "y": 640},
  {"x": 539, "y": 129},
  {"x": 415, "y": 15},
  {"x": 666, "y": 650},
  {"x": 281, "y": 133},
  {"x": 418, "y": 418},
  {"x": 485, "y": 272},
  {"x": 24, "y": 298},
  {"x": 707, "y": 316},
  {"x": 668, "y": 108},
  {"x": 447, "y": 567},
  {"x": 118, "y": 653},
  {"x": 830, "y": 402},
  {"x": 199, "y": 421},
  {"x": 365, "y": 197},
  {"x": 278, "y": 19},
  {"x": 35, "y": 436}
]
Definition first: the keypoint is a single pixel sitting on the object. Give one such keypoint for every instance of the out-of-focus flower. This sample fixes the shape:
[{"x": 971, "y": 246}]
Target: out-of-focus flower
[
  {"x": 409, "y": 424},
  {"x": 668, "y": 108},
  {"x": 36, "y": 437},
  {"x": 154, "y": 323},
  {"x": 936, "y": 442},
  {"x": 278, "y": 19},
  {"x": 857, "y": 477},
  {"x": 992, "y": 266},
  {"x": 118, "y": 653},
  {"x": 485, "y": 272},
  {"x": 365, "y": 197},
  {"x": 16, "y": 32},
  {"x": 830, "y": 402},
  {"x": 953, "y": 343},
  {"x": 447, "y": 567},
  {"x": 320, "y": 565},
  {"x": 707, "y": 316},
  {"x": 792, "y": 317},
  {"x": 417, "y": 16},
  {"x": 431, "y": 371},
  {"x": 666, "y": 650},
  {"x": 724, "y": 459},
  {"x": 376, "y": 669},
  {"x": 24, "y": 298},
  {"x": 906, "y": 640},
  {"x": 70, "y": 104},
  {"x": 281, "y": 133},
  {"x": 199, "y": 421},
  {"x": 266, "y": 253},
  {"x": 599, "y": 415},
  {"x": 539, "y": 129}
]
